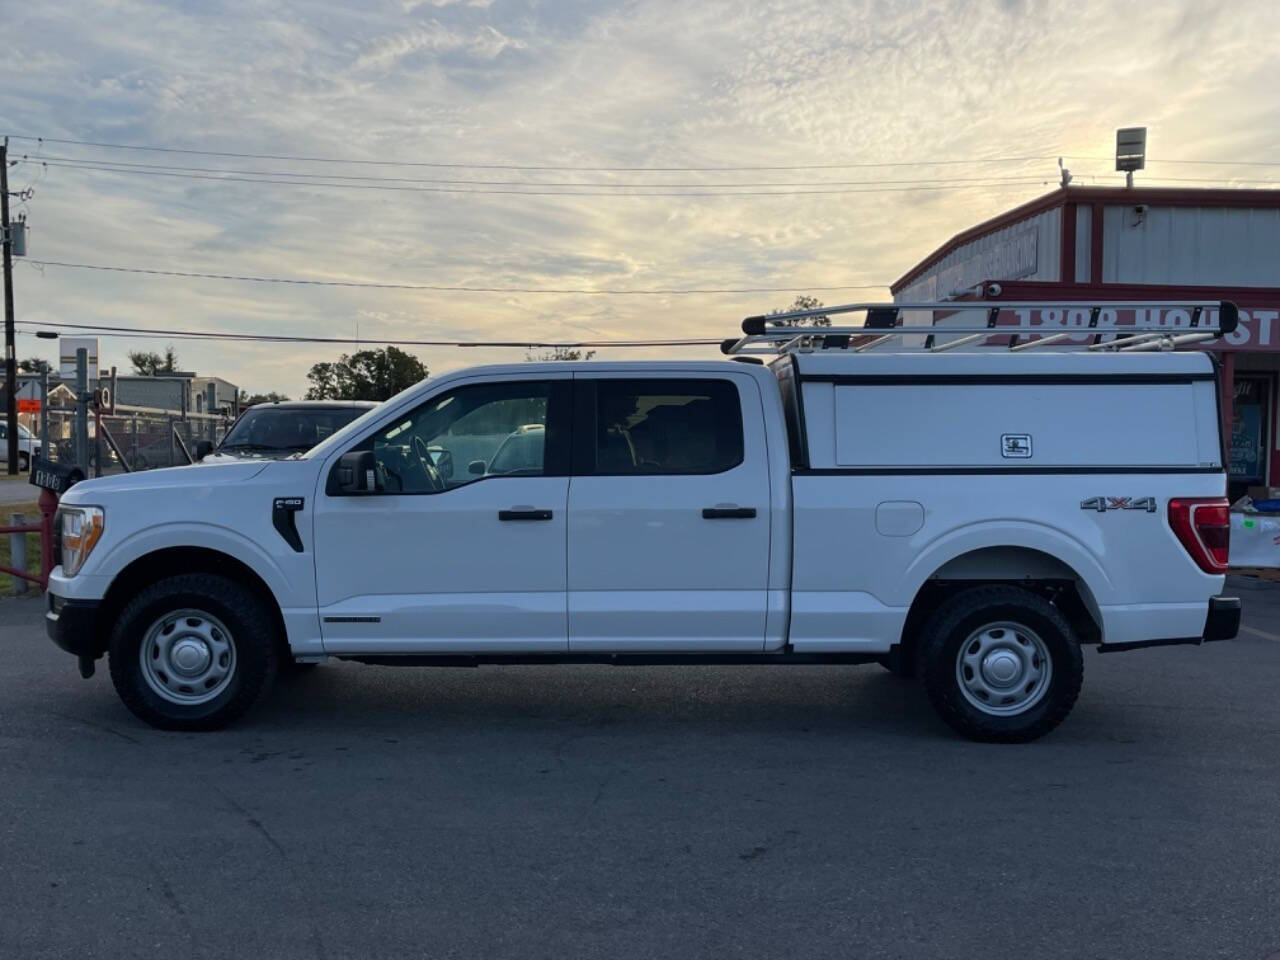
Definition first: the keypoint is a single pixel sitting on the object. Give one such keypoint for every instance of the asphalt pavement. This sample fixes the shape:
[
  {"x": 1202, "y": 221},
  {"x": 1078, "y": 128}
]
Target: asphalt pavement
[
  {"x": 597, "y": 812},
  {"x": 15, "y": 489}
]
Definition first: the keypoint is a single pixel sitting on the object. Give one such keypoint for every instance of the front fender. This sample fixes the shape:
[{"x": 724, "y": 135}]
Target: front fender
[
  {"x": 290, "y": 589},
  {"x": 1011, "y": 533}
]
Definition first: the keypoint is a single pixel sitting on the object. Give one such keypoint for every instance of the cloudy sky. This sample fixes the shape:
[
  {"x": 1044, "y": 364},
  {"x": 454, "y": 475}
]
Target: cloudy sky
[{"x": 487, "y": 91}]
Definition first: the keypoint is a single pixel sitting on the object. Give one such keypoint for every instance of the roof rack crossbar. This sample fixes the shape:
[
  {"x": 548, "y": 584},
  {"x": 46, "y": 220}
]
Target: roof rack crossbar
[{"x": 1148, "y": 330}]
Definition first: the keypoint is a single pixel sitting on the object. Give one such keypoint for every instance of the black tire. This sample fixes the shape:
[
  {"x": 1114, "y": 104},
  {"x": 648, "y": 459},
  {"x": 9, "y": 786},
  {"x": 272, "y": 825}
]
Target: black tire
[
  {"x": 956, "y": 622},
  {"x": 252, "y": 637},
  {"x": 24, "y": 462}
]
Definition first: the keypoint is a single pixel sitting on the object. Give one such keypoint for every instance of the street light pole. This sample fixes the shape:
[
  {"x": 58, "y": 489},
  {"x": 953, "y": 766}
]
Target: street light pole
[{"x": 10, "y": 358}]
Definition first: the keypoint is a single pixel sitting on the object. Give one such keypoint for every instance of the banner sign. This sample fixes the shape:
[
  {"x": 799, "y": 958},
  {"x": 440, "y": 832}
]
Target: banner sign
[
  {"x": 1255, "y": 540},
  {"x": 1258, "y": 330},
  {"x": 67, "y": 357}
]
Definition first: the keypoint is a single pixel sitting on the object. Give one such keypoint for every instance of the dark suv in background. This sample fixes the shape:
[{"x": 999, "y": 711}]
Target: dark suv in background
[{"x": 276, "y": 430}]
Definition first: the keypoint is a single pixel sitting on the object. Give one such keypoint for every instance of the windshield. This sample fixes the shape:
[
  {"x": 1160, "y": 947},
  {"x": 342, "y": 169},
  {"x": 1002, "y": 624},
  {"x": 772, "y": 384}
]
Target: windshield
[
  {"x": 521, "y": 452},
  {"x": 267, "y": 429}
]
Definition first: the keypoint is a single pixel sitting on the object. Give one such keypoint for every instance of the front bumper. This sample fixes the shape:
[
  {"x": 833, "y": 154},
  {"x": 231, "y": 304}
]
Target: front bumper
[
  {"x": 1222, "y": 622},
  {"x": 72, "y": 625}
]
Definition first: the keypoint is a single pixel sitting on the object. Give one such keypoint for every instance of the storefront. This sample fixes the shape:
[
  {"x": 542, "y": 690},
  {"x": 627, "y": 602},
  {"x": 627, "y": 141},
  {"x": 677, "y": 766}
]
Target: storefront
[{"x": 1249, "y": 432}]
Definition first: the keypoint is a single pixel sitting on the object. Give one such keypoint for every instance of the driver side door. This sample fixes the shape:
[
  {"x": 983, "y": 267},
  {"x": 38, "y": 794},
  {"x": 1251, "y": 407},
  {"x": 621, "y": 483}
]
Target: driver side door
[{"x": 462, "y": 548}]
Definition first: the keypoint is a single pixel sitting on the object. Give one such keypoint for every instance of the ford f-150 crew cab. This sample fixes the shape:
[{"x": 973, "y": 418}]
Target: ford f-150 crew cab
[{"x": 973, "y": 516}]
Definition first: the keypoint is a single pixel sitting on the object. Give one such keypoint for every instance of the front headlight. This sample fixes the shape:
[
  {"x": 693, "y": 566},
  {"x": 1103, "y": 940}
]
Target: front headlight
[{"x": 80, "y": 529}]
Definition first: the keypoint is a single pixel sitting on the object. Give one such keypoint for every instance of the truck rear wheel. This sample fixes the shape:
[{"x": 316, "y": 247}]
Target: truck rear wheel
[
  {"x": 192, "y": 652},
  {"x": 1000, "y": 664}
]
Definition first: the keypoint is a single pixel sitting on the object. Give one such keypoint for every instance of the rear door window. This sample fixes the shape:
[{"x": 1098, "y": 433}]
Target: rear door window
[{"x": 658, "y": 426}]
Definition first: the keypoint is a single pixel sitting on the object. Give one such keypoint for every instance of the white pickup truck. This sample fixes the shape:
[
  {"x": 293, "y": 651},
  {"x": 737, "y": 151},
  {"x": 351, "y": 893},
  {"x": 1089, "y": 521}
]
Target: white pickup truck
[{"x": 976, "y": 517}]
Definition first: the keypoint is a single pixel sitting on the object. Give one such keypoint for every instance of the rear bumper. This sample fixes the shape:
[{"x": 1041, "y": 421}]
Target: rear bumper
[
  {"x": 1222, "y": 622},
  {"x": 72, "y": 625}
]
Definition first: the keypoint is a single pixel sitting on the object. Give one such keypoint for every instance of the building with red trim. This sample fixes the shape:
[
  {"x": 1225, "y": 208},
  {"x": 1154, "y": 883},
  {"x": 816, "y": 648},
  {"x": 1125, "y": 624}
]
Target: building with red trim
[{"x": 1142, "y": 243}]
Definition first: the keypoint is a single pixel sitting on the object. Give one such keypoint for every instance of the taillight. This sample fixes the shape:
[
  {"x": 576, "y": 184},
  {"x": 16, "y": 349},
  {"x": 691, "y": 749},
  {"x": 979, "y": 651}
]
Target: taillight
[{"x": 1204, "y": 528}]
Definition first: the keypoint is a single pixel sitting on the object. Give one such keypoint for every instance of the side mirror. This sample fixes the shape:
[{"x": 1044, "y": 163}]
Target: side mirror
[
  {"x": 357, "y": 472},
  {"x": 476, "y": 468},
  {"x": 203, "y": 449}
]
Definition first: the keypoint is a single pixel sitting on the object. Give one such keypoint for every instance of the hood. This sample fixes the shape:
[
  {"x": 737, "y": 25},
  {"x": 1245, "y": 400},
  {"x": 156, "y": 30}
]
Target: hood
[
  {"x": 247, "y": 456},
  {"x": 195, "y": 475}
]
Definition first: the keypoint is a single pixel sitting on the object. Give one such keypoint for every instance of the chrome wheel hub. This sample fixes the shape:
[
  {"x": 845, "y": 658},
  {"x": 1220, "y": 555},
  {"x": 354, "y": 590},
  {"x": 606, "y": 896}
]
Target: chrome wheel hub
[
  {"x": 1003, "y": 669},
  {"x": 188, "y": 657}
]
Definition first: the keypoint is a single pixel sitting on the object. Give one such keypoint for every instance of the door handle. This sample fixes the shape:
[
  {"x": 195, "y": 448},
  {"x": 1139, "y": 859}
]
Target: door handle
[
  {"x": 728, "y": 513},
  {"x": 523, "y": 514}
]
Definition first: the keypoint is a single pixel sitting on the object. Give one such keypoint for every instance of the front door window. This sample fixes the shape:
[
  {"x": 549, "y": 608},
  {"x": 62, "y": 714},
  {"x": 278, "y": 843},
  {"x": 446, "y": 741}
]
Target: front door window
[{"x": 466, "y": 435}]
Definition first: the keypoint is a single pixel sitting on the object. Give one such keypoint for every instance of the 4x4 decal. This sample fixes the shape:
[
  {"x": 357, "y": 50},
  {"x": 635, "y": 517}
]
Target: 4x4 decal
[{"x": 1103, "y": 504}]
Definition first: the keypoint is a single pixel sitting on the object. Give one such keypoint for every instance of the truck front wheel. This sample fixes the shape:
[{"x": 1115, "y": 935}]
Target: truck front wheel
[
  {"x": 1000, "y": 664},
  {"x": 192, "y": 652}
]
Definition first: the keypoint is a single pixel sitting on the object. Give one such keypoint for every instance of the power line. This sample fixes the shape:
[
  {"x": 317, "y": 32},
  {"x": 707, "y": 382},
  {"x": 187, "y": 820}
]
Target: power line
[
  {"x": 1213, "y": 180},
  {"x": 596, "y": 191},
  {"x": 554, "y": 167},
  {"x": 108, "y": 330},
  {"x": 442, "y": 288},
  {"x": 129, "y": 166},
  {"x": 1221, "y": 163},
  {"x": 850, "y": 165},
  {"x": 713, "y": 190}
]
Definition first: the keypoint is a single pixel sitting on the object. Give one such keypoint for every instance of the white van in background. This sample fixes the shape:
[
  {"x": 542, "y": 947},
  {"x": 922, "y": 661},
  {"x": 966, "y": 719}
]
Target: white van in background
[{"x": 28, "y": 446}]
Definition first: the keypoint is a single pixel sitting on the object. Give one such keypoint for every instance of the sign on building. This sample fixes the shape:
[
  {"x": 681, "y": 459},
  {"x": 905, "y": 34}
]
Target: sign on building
[{"x": 67, "y": 356}]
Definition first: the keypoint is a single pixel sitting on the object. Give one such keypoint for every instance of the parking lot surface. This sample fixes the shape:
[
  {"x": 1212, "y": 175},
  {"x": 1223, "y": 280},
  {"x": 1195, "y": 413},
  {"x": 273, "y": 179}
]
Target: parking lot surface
[{"x": 580, "y": 811}]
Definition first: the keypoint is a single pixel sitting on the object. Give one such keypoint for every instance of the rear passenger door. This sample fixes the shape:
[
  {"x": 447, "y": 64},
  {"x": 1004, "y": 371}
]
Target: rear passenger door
[{"x": 668, "y": 540}]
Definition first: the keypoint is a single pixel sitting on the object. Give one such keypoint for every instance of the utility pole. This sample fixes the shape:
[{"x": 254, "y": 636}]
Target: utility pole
[{"x": 10, "y": 358}]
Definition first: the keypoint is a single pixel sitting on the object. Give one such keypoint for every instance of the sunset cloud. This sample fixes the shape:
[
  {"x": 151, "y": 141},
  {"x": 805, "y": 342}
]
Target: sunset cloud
[{"x": 641, "y": 84}]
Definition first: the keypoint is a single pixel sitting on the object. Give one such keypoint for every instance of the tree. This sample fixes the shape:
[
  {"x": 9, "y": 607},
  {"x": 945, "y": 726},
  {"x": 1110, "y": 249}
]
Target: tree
[
  {"x": 148, "y": 363},
  {"x": 248, "y": 399},
  {"x": 365, "y": 375},
  {"x": 34, "y": 365},
  {"x": 805, "y": 302},
  {"x": 558, "y": 353}
]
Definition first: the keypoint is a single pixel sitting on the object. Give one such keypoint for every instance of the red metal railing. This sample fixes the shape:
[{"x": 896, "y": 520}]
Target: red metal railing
[{"x": 48, "y": 503}]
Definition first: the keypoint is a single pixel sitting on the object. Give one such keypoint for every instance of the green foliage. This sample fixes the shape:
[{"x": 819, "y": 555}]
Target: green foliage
[
  {"x": 558, "y": 353},
  {"x": 365, "y": 375},
  {"x": 805, "y": 302},
  {"x": 248, "y": 399},
  {"x": 148, "y": 363},
  {"x": 34, "y": 365}
]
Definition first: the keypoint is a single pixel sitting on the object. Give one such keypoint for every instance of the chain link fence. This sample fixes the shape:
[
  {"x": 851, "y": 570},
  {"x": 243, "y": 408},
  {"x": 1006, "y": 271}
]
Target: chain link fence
[{"x": 144, "y": 439}]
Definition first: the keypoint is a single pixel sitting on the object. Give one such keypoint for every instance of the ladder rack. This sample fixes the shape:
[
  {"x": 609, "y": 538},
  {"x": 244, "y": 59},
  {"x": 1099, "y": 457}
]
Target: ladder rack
[{"x": 1155, "y": 325}]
